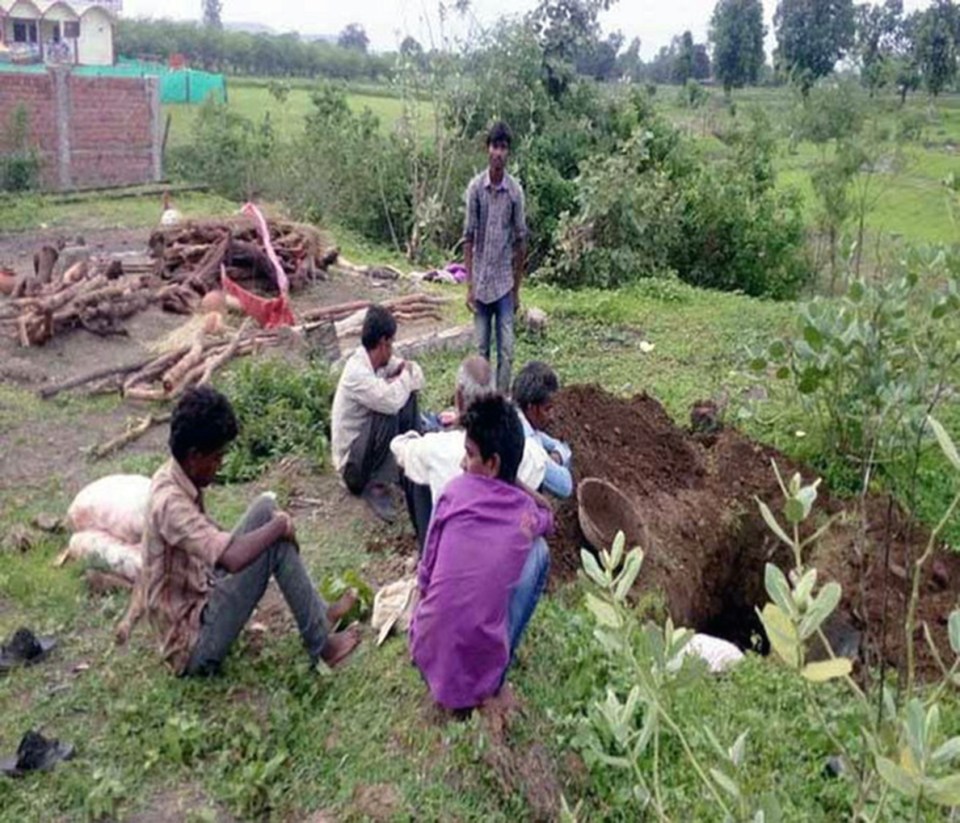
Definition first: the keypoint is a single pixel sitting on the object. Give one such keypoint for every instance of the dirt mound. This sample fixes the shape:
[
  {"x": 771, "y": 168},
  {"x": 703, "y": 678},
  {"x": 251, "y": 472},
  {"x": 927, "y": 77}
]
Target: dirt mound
[{"x": 706, "y": 543}]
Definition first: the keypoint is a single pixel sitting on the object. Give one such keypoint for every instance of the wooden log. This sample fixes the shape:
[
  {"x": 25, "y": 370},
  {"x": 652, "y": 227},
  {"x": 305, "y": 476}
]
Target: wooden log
[
  {"x": 129, "y": 436},
  {"x": 176, "y": 373},
  {"x": 44, "y": 262},
  {"x": 218, "y": 360},
  {"x": 206, "y": 275},
  {"x": 153, "y": 368},
  {"x": 46, "y": 392}
]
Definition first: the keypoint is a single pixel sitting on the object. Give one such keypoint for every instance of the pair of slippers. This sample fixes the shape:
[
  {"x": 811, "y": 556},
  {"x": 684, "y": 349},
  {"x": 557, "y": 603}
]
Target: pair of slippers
[
  {"x": 24, "y": 649},
  {"x": 35, "y": 752}
]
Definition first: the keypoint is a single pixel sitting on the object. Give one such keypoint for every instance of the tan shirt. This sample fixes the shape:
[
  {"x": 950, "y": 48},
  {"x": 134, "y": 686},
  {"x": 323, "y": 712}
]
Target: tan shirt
[
  {"x": 360, "y": 391},
  {"x": 181, "y": 546}
]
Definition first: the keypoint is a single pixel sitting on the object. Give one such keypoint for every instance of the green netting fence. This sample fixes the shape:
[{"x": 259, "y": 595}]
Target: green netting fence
[{"x": 176, "y": 85}]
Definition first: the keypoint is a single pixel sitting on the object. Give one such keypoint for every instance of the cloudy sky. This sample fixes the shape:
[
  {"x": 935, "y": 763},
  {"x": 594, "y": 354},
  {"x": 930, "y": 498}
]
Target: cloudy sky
[{"x": 387, "y": 23}]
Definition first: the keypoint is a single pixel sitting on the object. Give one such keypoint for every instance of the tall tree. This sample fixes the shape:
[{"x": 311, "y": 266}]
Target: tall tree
[
  {"x": 701, "y": 62},
  {"x": 878, "y": 32},
  {"x": 936, "y": 46},
  {"x": 211, "y": 13},
  {"x": 811, "y": 36},
  {"x": 737, "y": 32},
  {"x": 354, "y": 37},
  {"x": 566, "y": 29},
  {"x": 683, "y": 63}
]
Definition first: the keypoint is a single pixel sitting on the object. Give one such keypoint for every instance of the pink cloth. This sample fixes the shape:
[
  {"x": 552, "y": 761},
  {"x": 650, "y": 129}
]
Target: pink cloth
[{"x": 478, "y": 542}]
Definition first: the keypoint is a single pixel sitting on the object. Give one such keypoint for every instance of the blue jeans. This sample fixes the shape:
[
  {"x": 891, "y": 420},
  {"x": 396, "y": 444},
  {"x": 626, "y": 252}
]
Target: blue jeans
[
  {"x": 500, "y": 311},
  {"x": 527, "y": 592}
]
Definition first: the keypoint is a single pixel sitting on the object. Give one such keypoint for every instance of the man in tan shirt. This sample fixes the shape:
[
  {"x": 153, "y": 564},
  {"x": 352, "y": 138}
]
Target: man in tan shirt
[{"x": 202, "y": 583}]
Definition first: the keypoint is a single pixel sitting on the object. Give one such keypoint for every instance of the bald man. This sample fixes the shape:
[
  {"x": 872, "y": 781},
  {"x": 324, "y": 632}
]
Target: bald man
[{"x": 430, "y": 461}]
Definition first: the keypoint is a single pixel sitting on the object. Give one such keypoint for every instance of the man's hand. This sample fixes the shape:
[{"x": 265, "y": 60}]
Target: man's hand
[
  {"x": 471, "y": 299},
  {"x": 289, "y": 531},
  {"x": 556, "y": 457}
]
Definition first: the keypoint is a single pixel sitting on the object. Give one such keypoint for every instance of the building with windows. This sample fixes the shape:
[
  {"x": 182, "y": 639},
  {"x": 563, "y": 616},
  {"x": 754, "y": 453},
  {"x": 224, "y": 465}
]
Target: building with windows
[{"x": 58, "y": 32}]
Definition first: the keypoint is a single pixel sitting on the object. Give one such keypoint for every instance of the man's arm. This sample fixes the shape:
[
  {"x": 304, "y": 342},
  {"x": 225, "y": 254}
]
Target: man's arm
[
  {"x": 243, "y": 549},
  {"x": 385, "y": 396},
  {"x": 557, "y": 480},
  {"x": 519, "y": 246},
  {"x": 468, "y": 265},
  {"x": 470, "y": 223}
]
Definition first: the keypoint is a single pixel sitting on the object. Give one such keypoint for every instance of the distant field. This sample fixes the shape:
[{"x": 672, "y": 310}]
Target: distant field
[
  {"x": 288, "y": 117},
  {"x": 912, "y": 200}
]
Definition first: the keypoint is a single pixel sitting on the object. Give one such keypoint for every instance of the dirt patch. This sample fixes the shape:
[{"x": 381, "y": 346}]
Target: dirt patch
[
  {"x": 704, "y": 539},
  {"x": 180, "y": 804},
  {"x": 377, "y": 801}
]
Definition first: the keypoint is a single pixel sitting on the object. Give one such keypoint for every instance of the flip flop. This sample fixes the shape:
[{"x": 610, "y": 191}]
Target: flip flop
[
  {"x": 380, "y": 502},
  {"x": 24, "y": 649},
  {"x": 35, "y": 753}
]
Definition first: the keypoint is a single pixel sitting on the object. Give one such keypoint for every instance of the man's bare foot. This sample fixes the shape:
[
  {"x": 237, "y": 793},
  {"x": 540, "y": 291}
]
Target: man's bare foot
[
  {"x": 341, "y": 645},
  {"x": 336, "y": 611}
]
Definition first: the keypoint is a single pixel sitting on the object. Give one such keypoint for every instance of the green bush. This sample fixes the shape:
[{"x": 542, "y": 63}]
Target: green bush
[
  {"x": 20, "y": 166},
  {"x": 282, "y": 410}
]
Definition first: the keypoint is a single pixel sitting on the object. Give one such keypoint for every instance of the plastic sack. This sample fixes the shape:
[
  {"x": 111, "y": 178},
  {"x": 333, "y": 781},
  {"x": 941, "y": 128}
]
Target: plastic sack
[
  {"x": 119, "y": 556},
  {"x": 116, "y": 504},
  {"x": 718, "y": 654}
]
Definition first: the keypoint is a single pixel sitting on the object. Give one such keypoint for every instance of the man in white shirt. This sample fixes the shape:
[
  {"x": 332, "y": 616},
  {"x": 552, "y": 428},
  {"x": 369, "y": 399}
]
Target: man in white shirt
[
  {"x": 376, "y": 400},
  {"x": 429, "y": 461}
]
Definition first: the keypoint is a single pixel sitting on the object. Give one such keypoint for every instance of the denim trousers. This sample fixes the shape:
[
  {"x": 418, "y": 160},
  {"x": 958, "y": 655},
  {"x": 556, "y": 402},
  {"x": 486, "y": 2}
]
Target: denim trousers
[
  {"x": 235, "y": 596},
  {"x": 527, "y": 592},
  {"x": 497, "y": 316}
]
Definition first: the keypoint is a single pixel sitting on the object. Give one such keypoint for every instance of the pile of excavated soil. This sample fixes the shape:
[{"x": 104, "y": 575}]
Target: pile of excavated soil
[{"x": 706, "y": 543}]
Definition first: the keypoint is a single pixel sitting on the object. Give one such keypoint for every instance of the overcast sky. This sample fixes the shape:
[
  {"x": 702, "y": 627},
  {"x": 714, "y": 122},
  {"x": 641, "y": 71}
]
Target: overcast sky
[{"x": 387, "y": 23}]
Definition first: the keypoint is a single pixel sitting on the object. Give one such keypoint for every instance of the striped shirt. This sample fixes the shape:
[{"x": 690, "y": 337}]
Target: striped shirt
[{"x": 495, "y": 224}]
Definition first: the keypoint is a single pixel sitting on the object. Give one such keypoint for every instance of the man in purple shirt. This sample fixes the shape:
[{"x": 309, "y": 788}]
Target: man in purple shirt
[
  {"x": 494, "y": 252},
  {"x": 484, "y": 564}
]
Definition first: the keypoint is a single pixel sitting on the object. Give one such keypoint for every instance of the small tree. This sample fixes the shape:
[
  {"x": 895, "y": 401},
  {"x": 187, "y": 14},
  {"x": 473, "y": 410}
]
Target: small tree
[
  {"x": 737, "y": 32},
  {"x": 879, "y": 29},
  {"x": 683, "y": 64},
  {"x": 354, "y": 37},
  {"x": 811, "y": 36}
]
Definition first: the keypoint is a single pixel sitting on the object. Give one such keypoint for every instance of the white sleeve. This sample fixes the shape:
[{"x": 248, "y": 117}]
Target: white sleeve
[
  {"x": 412, "y": 453},
  {"x": 533, "y": 464},
  {"x": 378, "y": 394}
]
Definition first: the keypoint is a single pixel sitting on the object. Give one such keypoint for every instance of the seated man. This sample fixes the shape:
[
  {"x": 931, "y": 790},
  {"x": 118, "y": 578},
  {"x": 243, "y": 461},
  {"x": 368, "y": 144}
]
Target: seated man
[
  {"x": 375, "y": 401},
  {"x": 201, "y": 583},
  {"x": 533, "y": 391},
  {"x": 484, "y": 566},
  {"x": 430, "y": 461}
]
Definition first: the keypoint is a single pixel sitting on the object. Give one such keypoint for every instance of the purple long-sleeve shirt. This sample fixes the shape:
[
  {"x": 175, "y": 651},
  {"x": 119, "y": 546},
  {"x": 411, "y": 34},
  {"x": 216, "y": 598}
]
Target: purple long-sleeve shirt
[{"x": 478, "y": 542}]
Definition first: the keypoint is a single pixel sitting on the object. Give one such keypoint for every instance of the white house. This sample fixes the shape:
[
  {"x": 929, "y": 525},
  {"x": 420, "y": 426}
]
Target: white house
[{"x": 72, "y": 32}]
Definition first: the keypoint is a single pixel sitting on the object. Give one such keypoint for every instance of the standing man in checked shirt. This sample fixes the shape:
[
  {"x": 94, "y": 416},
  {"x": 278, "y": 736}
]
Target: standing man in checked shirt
[{"x": 494, "y": 251}]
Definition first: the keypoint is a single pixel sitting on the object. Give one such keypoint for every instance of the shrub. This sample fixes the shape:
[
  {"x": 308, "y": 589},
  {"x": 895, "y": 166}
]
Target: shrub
[
  {"x": 20, "y": 166},
  {"x": 282, "y": 410}
]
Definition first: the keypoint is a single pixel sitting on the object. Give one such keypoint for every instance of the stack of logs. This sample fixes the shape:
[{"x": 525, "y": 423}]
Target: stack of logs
[
  {"x": 90, "y": 297},
  {"x": 185, "y": 264},
  {"x": 193, "y": 253},
  {"x": 166, "y": 376}
]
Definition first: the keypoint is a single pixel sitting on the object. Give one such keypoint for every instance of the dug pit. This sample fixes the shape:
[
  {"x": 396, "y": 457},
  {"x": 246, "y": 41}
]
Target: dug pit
[{"x": 706, "y": 543}]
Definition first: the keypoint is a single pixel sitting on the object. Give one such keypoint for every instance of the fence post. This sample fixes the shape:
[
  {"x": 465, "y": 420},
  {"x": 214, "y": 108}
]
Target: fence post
[{"x": 156, "y": 149}]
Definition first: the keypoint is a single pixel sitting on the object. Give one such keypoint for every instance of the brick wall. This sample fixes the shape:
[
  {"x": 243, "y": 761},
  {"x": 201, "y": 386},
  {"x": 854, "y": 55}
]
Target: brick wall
[{"x": 90, "y": 131}]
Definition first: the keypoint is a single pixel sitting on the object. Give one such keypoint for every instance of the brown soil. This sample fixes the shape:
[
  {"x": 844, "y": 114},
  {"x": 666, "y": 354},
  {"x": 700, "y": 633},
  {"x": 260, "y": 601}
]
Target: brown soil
[{"x": 706, "y": 543}]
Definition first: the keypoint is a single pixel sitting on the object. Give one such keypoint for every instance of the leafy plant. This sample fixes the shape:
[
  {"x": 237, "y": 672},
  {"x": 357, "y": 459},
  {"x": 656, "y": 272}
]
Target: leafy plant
[
  {"x": 282, "y": 410},
  {"x": 335, "y": 586},
  {"x": 20, "y": 164}
]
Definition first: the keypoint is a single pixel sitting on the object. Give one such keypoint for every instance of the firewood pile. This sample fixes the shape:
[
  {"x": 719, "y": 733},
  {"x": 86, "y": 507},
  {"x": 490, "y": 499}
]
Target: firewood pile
[
  {"x": 90, "y": 295},
  {"x": 166, "y": 375},
  {"x": 193, "y": 253}
]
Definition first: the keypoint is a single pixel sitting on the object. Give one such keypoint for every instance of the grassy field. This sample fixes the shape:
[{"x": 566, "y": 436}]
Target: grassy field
[
  {"x": 255, "y": 102},
  {"x": 912, "y": 201},
  {"x": 271, "y": 738}
]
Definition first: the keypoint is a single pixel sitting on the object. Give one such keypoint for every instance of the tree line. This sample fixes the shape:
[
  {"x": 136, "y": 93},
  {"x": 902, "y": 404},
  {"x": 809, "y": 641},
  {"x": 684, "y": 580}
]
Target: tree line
[{"x": 887, "y": 47}]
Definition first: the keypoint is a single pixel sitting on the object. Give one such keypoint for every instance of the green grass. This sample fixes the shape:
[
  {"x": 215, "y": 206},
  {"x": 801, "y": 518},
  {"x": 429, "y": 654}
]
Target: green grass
[
  {"x": 31, "y": 212},
  {"x": 271, "y": 734},
  {"x": 254, "y": 102}
]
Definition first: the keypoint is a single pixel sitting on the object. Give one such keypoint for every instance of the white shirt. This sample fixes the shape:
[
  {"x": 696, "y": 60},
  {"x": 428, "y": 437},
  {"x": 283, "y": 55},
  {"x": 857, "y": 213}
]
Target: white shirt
[
  {"x": 362, "y": 390},
  {"x": 433, "y": 459}
]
